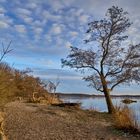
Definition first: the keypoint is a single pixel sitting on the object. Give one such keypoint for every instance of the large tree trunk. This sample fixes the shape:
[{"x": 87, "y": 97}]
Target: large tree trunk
[{"x": 109, "y": 103}]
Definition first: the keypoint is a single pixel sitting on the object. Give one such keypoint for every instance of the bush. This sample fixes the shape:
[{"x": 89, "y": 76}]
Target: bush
[
  {"x": 19, "y": 84},
  {"x": 125, "y": 119}
]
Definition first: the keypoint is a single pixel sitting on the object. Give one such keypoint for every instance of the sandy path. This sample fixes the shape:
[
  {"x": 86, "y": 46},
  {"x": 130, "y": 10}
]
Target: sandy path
[{"x": 24, "y": 121}]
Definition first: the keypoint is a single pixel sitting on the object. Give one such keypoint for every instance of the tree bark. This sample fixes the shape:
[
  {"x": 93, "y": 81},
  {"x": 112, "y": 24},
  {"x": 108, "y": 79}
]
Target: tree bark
[{"x": 109, "y": 103}]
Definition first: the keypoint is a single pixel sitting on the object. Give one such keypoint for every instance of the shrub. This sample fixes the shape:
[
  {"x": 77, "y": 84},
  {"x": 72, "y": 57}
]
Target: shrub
[
  {"x": 125, "y": 120},
  {"x": 16, "y": 83}
]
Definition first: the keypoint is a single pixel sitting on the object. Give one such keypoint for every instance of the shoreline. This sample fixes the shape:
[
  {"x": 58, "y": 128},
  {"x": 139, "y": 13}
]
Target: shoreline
[{"x": 82, "y": 95}]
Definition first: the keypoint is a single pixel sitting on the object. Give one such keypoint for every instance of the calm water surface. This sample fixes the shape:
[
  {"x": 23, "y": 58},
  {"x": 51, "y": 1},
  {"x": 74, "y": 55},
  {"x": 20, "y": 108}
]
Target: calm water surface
[{"x": 100, "y": 104}]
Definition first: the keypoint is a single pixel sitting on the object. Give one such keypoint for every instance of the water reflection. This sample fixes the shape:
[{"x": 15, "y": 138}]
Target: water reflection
[{"x": 100, "y": 104}]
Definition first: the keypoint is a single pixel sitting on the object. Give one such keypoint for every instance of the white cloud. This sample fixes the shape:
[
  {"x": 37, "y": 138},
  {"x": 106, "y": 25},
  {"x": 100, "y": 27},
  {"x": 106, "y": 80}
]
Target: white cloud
[
  {"x": 31, "y": 5},
  {"x": 48, "y": 38},
  {"x": 39, "y": 23},
  {"x": 79, "y": 12},
  {"x": 84, "y": 19},
  {"x": 132, "y": 31},
  {"x": 2, "y": 10},
  {"x": 5, "y": 21},
  {"x": 64, "y": 77},
  {"x": 37, "y": 33},
  {"x": 68, "y": 44},
  {"x": 2, "y": 15},
  {"x": 51, "y": 17},
  {"x": 45, "y": 62},
  {"x": 38, "y": 30},
  {"x": 26, "y": 19},
  {"x": 56, "y": 29},
  {"x": 3, "y": 24},
  {"x": 23, "y": 11},
  {"x": 20, "y": 28},
  {"x": 56, "y": 5},
  {"x": 74, "y": 34},
  {"x": 59, "y": 41}
]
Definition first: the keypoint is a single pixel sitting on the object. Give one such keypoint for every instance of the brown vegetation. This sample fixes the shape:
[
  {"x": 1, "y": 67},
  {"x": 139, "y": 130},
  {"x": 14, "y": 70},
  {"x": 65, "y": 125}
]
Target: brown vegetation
[
  {"x": 16, "y": 84},
  {"x": 125, "y": 120}
]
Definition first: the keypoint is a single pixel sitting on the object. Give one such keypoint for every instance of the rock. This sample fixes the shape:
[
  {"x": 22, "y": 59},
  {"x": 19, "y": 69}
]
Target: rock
[{"x": 128, "y": 101}]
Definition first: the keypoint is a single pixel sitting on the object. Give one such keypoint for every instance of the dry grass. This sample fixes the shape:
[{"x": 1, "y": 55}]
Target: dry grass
[
  {"x": 125, "y": 120},
  {"x": 47, "y": 99}
]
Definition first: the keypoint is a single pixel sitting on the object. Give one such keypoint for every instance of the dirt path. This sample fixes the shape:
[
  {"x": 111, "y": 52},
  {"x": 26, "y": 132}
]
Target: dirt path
[{"x": 24, "y": 121}]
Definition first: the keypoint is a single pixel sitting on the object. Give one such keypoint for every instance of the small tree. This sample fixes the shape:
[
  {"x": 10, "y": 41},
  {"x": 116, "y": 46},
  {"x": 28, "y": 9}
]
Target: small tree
[
  {"x": 52, "y": 86},
  {"x": 111, "y": 63}
]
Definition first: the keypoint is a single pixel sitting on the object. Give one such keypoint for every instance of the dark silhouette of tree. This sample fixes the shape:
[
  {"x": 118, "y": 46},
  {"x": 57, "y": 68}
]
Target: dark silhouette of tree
[
  {"x": 5, "y": 50},
  {"x": 110, "y": 62}
]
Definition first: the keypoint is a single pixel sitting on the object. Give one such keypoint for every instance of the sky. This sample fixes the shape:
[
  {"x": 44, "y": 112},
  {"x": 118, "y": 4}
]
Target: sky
[{"x": 41, "y": 32}]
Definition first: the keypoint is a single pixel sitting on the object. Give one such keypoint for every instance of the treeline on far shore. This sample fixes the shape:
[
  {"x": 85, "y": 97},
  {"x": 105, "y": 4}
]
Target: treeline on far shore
[{"x": 84, "y": 95}]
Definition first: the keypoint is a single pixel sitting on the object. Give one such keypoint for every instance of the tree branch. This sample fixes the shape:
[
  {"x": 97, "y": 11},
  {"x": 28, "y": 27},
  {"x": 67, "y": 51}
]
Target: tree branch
[{"x": 5, "y": 50}]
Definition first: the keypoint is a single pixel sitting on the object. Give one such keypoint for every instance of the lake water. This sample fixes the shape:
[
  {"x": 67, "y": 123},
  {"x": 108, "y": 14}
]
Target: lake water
[{"x": 99, "y": 104}]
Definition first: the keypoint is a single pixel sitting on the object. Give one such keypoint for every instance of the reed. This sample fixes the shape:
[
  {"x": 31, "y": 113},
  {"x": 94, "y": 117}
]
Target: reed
[{"x": 125, "y": 119}]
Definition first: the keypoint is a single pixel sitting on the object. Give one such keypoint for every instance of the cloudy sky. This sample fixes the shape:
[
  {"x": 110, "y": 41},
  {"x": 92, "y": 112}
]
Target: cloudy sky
[{"x": 42, "y": 31}]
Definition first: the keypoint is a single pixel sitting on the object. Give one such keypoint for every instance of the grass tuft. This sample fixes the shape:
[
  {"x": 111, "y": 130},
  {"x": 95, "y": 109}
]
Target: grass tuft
[{"x": 125, "y": 120}]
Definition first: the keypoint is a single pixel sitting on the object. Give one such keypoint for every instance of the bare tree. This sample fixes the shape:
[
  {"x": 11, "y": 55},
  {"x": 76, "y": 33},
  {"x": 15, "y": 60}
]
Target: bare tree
[
  {"x": 5, "y": 50},
  {"x": 57, "y": 83},
  {"x": 3, "y": 66},
  {"x": 110, "y": 62},
  {"x": 52, "y": 86}
]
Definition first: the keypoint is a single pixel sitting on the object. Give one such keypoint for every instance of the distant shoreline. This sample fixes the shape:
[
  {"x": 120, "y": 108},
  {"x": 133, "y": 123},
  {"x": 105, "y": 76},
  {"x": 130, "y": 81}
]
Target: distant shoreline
[{"x": 93, "y": 95}]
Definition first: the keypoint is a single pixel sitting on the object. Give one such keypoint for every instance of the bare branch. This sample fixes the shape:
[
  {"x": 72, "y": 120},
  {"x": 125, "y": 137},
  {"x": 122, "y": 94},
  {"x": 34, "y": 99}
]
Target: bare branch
[
  {"x": 118, "y": 82},
  {"x": 96, "y": 83},
  {"x": 113, "y": 63},
  {"x": 5, "y": 50},
  {"x": 80, "y": 59}
]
